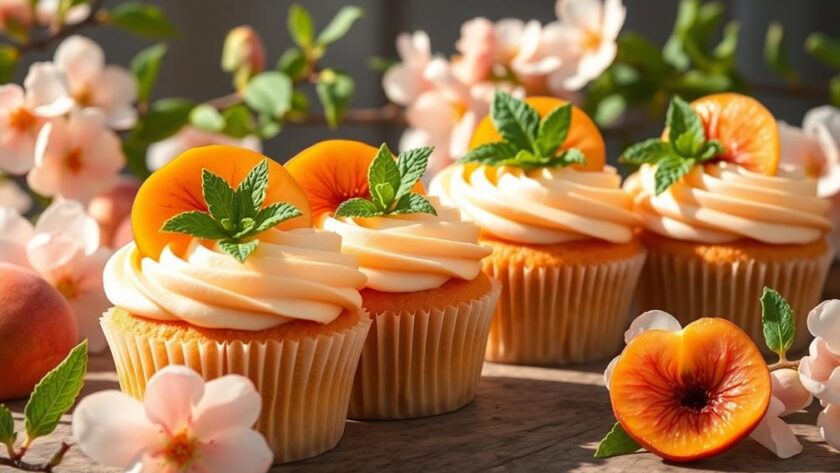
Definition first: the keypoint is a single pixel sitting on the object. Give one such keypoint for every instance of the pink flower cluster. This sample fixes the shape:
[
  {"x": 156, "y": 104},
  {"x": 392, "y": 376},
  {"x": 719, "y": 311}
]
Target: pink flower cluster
[
  {"x": 445, "y": 98},
  {"x": 819, "y": 372}
]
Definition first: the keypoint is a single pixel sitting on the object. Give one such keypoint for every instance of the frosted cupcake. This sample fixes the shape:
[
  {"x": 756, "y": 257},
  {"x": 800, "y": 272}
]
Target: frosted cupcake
[
  {"x": 722, "y": 220},
  {"x": 430, "y": 303},
  {"x": 237, "y": 282},
  {"x": 561, "y": 229}
]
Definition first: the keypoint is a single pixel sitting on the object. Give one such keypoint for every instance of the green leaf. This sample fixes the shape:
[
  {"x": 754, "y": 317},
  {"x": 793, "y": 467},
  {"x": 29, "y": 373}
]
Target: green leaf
[
  {"x": 647, "y": 152},
  {"x": 335, "y": 90},
  {"x": 55, "y": 393},
  {"x": 383, "y": 195},
  {"x": 696, "y": 83},
  {"x": 164, "y": 118},
  {"x": 610, "y": 109},
  {"x": 357, "y": 207},
  {"x": 195, "y": 223},
  {"x": 553, "y": 129},
  {"x": 383, "y": 170},
  {"x": 207, "y": 118},
  {"x": 239, "y": 250},
  {"x": 834, "y": 90},
  {"x": 515, "y": 120},
  {"x": 674, "y": 51},
  {"x": 300, "y": 102},
  {"x": 145, "y": 66},
  {"x": 569, "y": 157},
  {"x": 670, "y": 170},
  {"x": 711, "y": 150},
  {"x": 274, "y": 215},
  {"x": 777, "y": 320},
  {"x": 221, "y": 200},
  {"x": 8, "y": 63},
  {"x": 616, "y": 442},
  {"x": 490, "y": 153},
  {"x": 340, "y": 25},
  {"x": 413, "y": 203},
  {"x": 142, "y": 19},
  {"x": 267, "y": 127},
  {"x": 292, "y": 63},
  {"x": 239, "y": 122},
  {"x": 685, "y": 129},
  {"x": 638, "y": 51},
  {"x": 135, "y": 154},
  {"x": 824, "y": 48},
  {"x": 774, "y": 51},
  {"x": 253, "y": 188},
  {"x": 381, "y": 64},
  {"x": 269, "y": 93},
  {"x": 412, "y": 165},
  {"x": 300, "y": 26},
  {"x": 7, "y": 426}
]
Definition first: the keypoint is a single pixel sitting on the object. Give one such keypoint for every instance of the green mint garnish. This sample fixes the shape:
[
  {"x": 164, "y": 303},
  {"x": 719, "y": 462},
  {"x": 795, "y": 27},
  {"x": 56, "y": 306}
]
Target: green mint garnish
[
  {"x": 233, "y": 215},
  {"x": 390, "y": 183},
  {"x": 527, "y": 142},
  {"x": 777, "y": 322},
  {"x": 616, "y": 442},
  {"x": 686, "y": 147}
]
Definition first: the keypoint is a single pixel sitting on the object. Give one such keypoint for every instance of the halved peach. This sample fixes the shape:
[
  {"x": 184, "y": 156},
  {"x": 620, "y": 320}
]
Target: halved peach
[
  {"x": 690, "y": 394},
  {"x": 583, "y": 133},
  {"x": 332, "y": 171},
  {"x": 176, "y": 188}
]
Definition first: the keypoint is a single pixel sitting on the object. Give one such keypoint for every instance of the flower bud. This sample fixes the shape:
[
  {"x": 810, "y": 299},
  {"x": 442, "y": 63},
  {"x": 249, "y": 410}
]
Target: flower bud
[
  {"x": 788, "y": 389},
  {"x": 243, "y": 54}
]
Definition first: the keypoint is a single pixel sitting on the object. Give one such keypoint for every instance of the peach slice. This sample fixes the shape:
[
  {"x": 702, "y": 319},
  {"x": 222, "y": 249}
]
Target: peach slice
[
  {"x": 176, "y": 188},
  {"x": 583, "y": 133},
  {"x": 693, "y": 393},
  {"x": 332, "y": 171}
]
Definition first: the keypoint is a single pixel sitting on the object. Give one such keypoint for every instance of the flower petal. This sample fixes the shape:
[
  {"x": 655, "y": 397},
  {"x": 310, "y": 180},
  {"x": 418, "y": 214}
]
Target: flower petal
[
  {"x": 237, "y": 449},
  {"x": 609, "y": 371},
  {"x": 825, "y": 115},
  {"x": 47, "y": 92},
  {"x": 229, "y": 401},
  {"x": 12, "y": 196},
  {"x": 70, "y": 218},
  {"x": 15, "y": 232},
  {"x": 788, "y": 389},
  {"x": 111, "y": 428},
  {"x": 115, "y": 92},
  {"x": 819, "y": 372},
  {"x": 824, "y": 322},
  {"x": 775, "y": 434},
  {"x": 651, "y": 320},
  {"x": 829, "y": 424},
  {"x": 613, "y": 19},
  {"x": 585, "y": 14},
  {"x": 82, "y": 60},
  {"x": 11, "y": 97},
  {"x": 171, "y": 396}
]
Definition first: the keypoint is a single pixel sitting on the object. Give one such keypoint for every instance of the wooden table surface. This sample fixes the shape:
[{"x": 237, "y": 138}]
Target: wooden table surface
[{"x": 523, "y": 419}]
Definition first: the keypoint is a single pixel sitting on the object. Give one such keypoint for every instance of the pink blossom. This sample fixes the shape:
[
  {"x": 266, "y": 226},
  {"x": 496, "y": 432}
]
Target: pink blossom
[
  {"x": 123, "y": 235},
  {"x": 820, "y": 370},
  {"x": 76, "y": 158},
  {"x": 478, "y": 46},
  {"x": 183, "y": 424},
  {"x": 112, "y": 208},
  {"x": 63, "y": 248},
  {"x": 788, "y": 389},
  {"x": 15, "y": 14},
  {"x": 829, "y": 424},
  {"x": 405, "y": 81},
  {"x": 164, "y": 151},
  {"x": 13, "y": 197},
  {"x": 524, "y": 49},
  {"x": 47, "y": 13}
]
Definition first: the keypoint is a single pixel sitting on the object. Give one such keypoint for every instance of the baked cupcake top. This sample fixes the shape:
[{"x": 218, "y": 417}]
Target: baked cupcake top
[
  {"x": 714, "y": 178},
  {"x": 538, "y": 181},
  {"x": 405, "y": 241},
  {"x": 243, "y": 266}
]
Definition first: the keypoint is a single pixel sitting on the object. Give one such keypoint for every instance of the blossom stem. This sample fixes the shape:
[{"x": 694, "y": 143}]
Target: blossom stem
[
  {"x": 46, "y": 467},
  {"x": 784, "y": 364},
  {"x": 95, "y": 17}
]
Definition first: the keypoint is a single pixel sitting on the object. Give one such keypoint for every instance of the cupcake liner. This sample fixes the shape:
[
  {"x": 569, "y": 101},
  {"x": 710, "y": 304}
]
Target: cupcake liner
[
  {"x": 422, "y": 363},
  {"x": 690, "y": 288},
  {"x": 304, "y": 383},
  {"x": 561, "y": 315}
]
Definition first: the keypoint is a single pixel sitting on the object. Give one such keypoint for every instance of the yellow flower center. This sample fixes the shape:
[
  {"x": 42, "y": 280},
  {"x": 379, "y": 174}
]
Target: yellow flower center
[
  {"x": 21, "y": 119},
  {"x": 67, "y": 287},
  {"x": 73, "y": 161},
  {"x": 592, "y": 41},
  {"x": 181, "y": 449},
  {"x": 83, "y": 96}
]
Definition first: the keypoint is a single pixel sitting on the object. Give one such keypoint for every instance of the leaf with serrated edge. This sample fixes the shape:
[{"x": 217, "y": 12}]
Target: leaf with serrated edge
[
  {"x": 383, "y": 170},
  {"x": 777, "y": 320},
  {"x": 712, "y": 149},
  {"x": 685, "y": 129},
  {"x": 219, "y": 197},
  {"x": 616, "y": 442},
  {"x": 383, "y": 195},
  {"x": 256, "y": 183},
  {"x": 412, "y": 165},
  {"x": 647, "y": 152},
  {"x": 357, "y": 207},
  {"x": 7, "y": 426},
  {"x": 490, "y": 153},
  {"x": 55, "y": 393},
  {"x": 671, "y": 170},
  {"x": 554, "y": 129},
  {"x": 239, "y": 250},
  {"x": 413, "y": 203},
  {"x": 571, "y": 156},
  {"x": 515, "y": 120},
  {"x": 195, "y": 223},
  {"x": 274, "y": 215}
]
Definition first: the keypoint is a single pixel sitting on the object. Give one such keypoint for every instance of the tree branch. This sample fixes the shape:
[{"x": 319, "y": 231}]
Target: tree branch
[
  {"x": 46, "y": 467},
  {"x": 784, "y": 364},
  {"x": 95, "y": 17},
  {"x": 390, "y": 114}
]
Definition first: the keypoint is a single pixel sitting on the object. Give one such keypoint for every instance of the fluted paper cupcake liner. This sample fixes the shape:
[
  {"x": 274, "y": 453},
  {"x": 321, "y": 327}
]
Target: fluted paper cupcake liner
[
  {"x": 304, "y": 383},
  {"x": 690, "y": 288},
  {"x": 561, "y": 315},
  {"x": 422, "y": 363}
]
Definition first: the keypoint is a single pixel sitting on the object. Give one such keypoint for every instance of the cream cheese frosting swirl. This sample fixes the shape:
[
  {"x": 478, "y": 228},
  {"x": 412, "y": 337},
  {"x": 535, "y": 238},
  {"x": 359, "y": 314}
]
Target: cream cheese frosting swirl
[
  {"x": 724, "y": 202},
  {"x": 542, "y": 206},
  {"x": 412, "y": 252},
  {"x": 292, "y": 275}
]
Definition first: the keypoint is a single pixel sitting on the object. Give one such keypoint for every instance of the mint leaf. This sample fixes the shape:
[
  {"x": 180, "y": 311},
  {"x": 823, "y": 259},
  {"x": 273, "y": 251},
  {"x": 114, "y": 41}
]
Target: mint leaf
[
  {"x": 383, "y": 170},
  {"x": 616, "y": 442},
  {"x": 569, "y": 157},
  {"x": 490, "y": 153},
  {"x": 647, "y": 152},
  {"x": 274, "y": 215},
  {"x": 218, "y": 195},
  {"x": 239, "y": 250},
  {"x": 554, "y": 129},
  {"x": 55, "y": 393},
  {"x": 383, "y": 194},
  {"x": 412, "y": 165},
  {"x": 777, "y": 320},
  {"x": 670, "y": 170},
  {"x": 194, "y": 223},
  {"x": 515, "y": 120},
  {"x": 255, "y": 184},
  {"x": 414, "y": 203},
  {"x": 357, "y": 207},
  {"x": 711, "y": 150},
  {"x": 685, "y": 129},
  {"x": 7, "y": 426}
]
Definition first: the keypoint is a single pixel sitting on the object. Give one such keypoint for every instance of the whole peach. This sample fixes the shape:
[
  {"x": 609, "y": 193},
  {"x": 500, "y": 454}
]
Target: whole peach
[
  {"x": 111, "y": 208},
  {"x": 37, "y": 330}
]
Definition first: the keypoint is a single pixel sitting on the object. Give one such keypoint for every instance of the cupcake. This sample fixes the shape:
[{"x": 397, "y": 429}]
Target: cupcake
[
  {"x": 430, "y": 304},
  {"x": 561, "y": 229},
  {"x": 721, "y": 219},
  {"x": 226, "y": 276}
]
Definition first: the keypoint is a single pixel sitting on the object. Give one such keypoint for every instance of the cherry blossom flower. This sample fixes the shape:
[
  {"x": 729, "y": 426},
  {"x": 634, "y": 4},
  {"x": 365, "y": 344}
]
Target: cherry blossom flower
[
  {"x": 63, "y": 248},
  {"x": 111, "y": 89},
  {"x": 24, "y": 111},
  {"x": 113, "y": 207},
  {"x": 788, "y": 389},
  {"x": 772, "y": 432},
  {"x": 584, "y": 39},
  {"x": 829, "y": 424},
  {"x": 46, "y": 13},
  {"x": 183, "y": 424},
  {"x": 820, "y": 370},
  {"x": 404, "y": 82},
  {"x": 479, "y": 48},
  {"x": 13, "y": 197},
  {"x": 523, "y": 48},
  {"x": 15, "y": 14},
  {"x": 76, "y": 158},
  {"x": 164, "y": 151}
]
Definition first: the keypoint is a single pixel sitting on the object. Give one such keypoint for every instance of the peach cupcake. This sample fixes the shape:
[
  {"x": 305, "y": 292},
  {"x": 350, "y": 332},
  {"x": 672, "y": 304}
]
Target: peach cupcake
[
  {"x": 561, "y": 229},
  {"x": 431, "y": 306},
  {"x": 722, "y": 220},
  {"x": 226, "y": 276}
]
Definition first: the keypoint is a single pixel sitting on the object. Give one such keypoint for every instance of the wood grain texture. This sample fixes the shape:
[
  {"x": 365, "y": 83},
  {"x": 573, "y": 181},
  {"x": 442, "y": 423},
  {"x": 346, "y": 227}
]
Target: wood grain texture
[{"x": 524, "y": 419}]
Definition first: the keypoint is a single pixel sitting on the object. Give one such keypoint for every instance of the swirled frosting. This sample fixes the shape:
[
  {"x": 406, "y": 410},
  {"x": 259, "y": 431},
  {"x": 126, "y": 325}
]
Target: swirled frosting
[
  {"x": 294, "y": 275},
  {"x": 723, "y": 202},
  {"x": 412, "y": 252},
  {"x": 541, "y": 206}
]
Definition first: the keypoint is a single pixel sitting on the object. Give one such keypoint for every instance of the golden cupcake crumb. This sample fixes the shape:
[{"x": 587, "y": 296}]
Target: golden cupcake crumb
[
  {"x": 583, "y": 252},
  {"x": 452, "y": 293}
]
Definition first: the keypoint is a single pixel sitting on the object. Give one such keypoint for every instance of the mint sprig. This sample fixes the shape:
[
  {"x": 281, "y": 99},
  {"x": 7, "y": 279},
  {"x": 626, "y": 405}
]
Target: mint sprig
[
  {"x": 685, "y": 148},
  {"x": 390, "y": 182},
  {"x": 527, "y": 142},
  {"x": 234, "y": 215},
  {"x": 616, "y": 442},
  {"x": 777, "y": 322}
]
